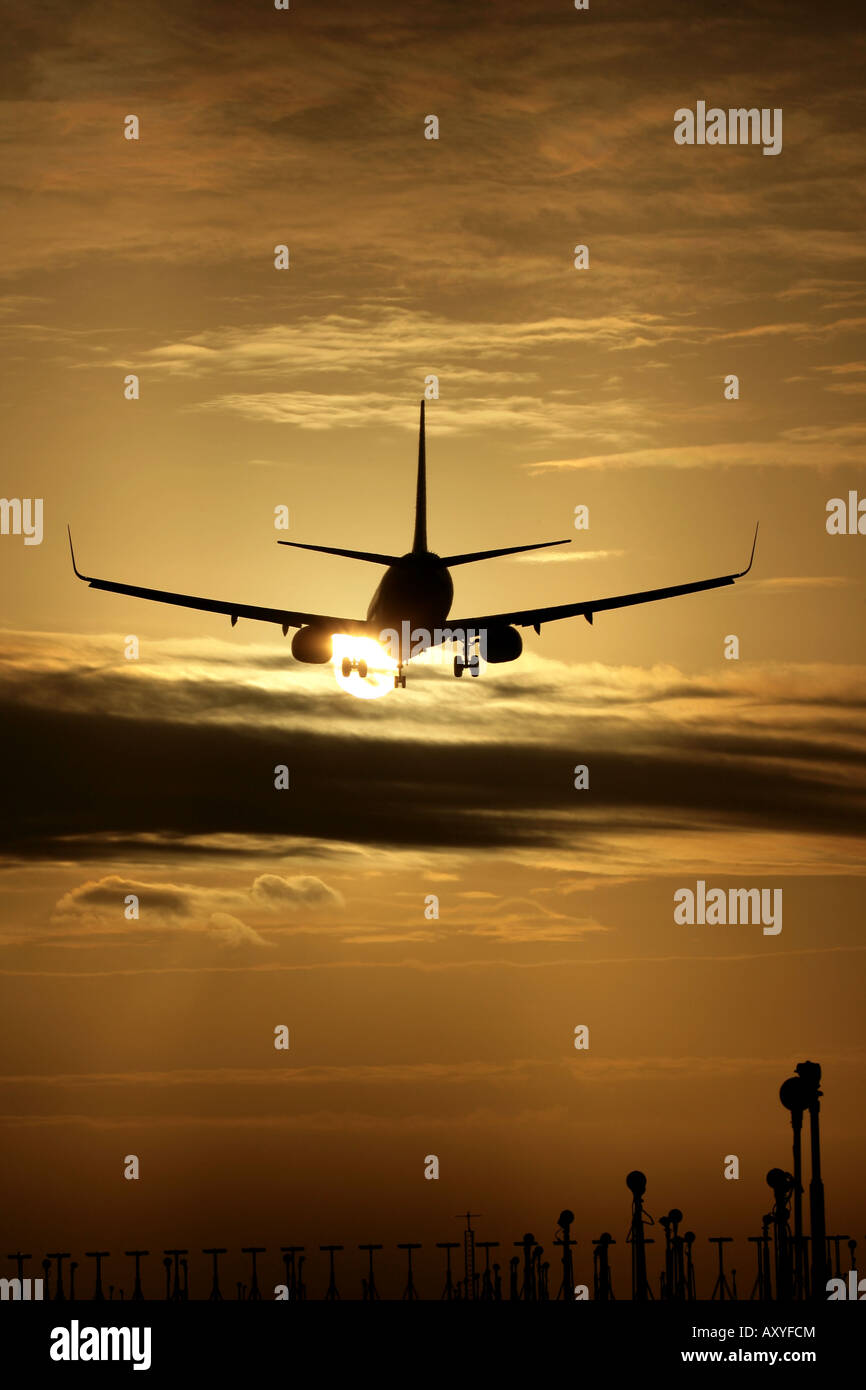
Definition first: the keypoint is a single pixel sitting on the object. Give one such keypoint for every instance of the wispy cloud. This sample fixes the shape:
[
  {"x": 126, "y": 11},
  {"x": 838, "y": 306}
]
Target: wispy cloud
[
  {"x": 551, "y": 557},
  {"x": 798, "y": 447}
]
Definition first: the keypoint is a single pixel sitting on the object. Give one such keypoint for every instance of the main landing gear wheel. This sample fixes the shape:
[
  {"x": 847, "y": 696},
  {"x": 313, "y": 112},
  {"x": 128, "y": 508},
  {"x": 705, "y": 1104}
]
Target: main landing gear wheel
[
  {"x": 348, "y": 666},
  {"x": 472, "y": 666}
]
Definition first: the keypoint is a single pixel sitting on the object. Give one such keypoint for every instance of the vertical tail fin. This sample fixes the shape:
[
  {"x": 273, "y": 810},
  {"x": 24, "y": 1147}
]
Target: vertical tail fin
[{"x": 419, "y": 541}]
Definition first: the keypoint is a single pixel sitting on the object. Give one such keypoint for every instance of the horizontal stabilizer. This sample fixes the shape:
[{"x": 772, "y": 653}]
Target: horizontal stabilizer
[
  {"x": 471, "y": 555},
  {"x": 347, "y": 554}
]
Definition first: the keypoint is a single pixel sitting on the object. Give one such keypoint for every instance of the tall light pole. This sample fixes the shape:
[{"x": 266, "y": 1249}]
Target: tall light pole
[
  {"x": 810, "y": 1075},
  {"x": 794, "y": 1096}
]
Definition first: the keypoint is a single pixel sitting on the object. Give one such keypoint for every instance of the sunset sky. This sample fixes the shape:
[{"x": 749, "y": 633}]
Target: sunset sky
[{"x": 558, "y": 387}]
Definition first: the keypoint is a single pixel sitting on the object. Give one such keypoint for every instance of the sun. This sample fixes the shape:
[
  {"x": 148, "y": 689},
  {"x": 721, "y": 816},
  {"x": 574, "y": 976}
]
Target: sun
[{"x": 362, "y": 667}]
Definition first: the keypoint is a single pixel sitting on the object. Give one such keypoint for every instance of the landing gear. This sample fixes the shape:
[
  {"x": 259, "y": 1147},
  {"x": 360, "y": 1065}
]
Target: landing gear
[
  {"x": 473, "y": 666},
  {"x": 400, "y": 677},
  {"x": 348, "y": 666}
]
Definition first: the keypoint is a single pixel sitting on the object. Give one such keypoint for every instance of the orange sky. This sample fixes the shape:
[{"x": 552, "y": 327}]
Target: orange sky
[{"x": 558, "y": 387}]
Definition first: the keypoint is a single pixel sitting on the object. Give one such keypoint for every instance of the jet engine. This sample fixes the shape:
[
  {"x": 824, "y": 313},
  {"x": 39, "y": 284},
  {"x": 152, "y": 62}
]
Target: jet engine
[
  {"x": 313, "y": 645},
  {"x": 501, "y": 644}
]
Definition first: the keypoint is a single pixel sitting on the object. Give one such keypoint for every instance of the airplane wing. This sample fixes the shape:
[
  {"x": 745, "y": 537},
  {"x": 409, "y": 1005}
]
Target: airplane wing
[
  {"x": 284, "y": 617},
  {"x": 534, "y": 617}
]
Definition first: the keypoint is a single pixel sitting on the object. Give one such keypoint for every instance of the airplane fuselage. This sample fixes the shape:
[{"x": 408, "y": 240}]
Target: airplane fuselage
[{"x": 414, "y": 595}]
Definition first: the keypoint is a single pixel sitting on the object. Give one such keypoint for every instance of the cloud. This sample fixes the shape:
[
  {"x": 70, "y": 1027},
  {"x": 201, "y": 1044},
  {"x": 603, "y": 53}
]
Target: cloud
[
  {"x": 230, "y": 931},
  {"x": 274, "y": 892},
  {"x": 188, "y": 908},
  {"x": 798, "y": 447},
  {"x": 107, "y": 894},
  {"x": 536, "y": 415},
  {"x": 550, "y": 557},
  {"x": 783, "y": 584},
  {"x": 198, "y": 741},
  {"x": 400, "y": 338}
]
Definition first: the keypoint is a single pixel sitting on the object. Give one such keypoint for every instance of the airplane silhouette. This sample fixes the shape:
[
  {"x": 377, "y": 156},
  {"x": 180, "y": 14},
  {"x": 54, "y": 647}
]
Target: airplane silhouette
[{"x": 410, "y": 607}]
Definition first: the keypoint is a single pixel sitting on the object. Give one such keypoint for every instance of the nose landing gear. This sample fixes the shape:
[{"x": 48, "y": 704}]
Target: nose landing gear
[{"x": 400, "y": 677}]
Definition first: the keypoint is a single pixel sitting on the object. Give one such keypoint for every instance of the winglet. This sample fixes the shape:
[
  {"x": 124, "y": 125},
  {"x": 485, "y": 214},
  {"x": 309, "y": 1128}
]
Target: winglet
[
  {"x": 72, "y": 553},
  {"x": 752, "y": 556}
]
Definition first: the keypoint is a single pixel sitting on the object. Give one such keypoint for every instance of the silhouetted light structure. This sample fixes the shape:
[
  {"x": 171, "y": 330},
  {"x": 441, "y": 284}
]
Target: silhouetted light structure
[
  {"x": 98, "y": 1256},
  {"x": 293, "y": 1281},
  {"x": 602, "y": 1286},
  {"x": 672, "y": 1281},
  {"x": 691, "y": 1286},
  {"x": 137, "y": 1255},
  {"x": 370, "y": 1290},
  {"x": 72, "y": 1268},
  {"x": 810, "y": 1075},
  {"x": 795, "y": 1097},
  {"x": 527, "y": 1290},
  {"x": 333, "y": 1292},
  {"x": 564, "y": 1225},
  {"x": 176, "y": 1293},
  {"x": 721, "y": 1288},
  {"x": 59, "y": 1256},
  {"x": 542, "y": 1271},
  {"x": 667, "y": 1281},
  {"x": 254, "y": 1250},
  {"x": 46, "y": 1279},
  {"x": 468, "y": 1252},
  {"x": 807, "y": 1243},
  {"x": 410, "y": 1292},
  {"x": 19, "y": 1257},
  {"x": 488, "y": 1292},
  {"x": 448, "y": 1246},
  {"x": 762, "y": 1286},
  {"x": 166, "y": 1264},
  {"x": 675, "y": 1216},
  {"x": 636, "y": 1184},
  {"x": 215, "y": 1295},
  {"x": 835, "y": 1241},
  {"x": 782, "y": 1184}
]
